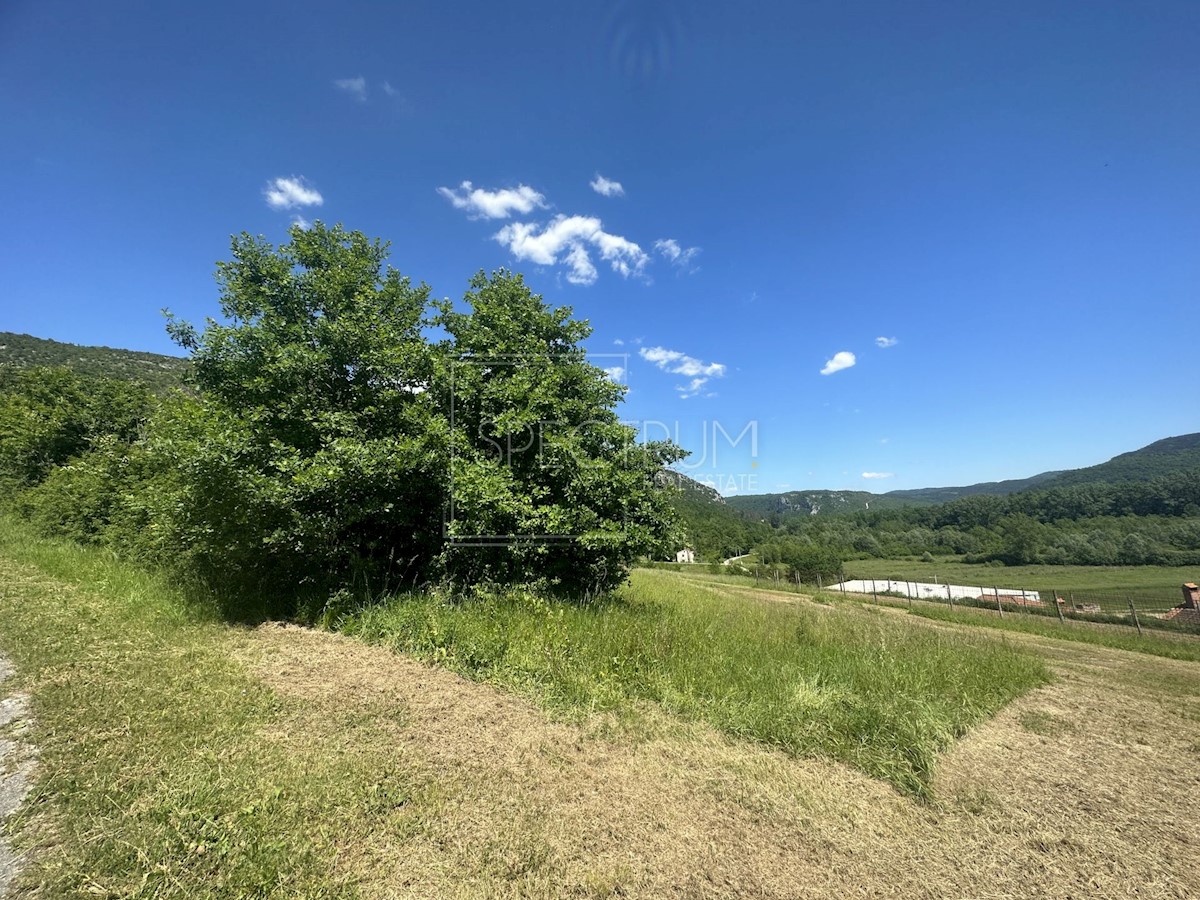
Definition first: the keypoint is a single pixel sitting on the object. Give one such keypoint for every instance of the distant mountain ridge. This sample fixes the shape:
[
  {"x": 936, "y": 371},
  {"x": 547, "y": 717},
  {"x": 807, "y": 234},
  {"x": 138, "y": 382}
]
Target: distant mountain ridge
[
  {"x": 155, "y": 370},
  {"x": 1162, "y": 457}
]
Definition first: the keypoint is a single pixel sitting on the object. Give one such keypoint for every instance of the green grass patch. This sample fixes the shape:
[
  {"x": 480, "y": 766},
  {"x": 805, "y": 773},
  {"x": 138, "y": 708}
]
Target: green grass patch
[
  {"x": 156, "y": 775},
  {"x": 885, "y": 696},
  {"x": 1151, "y": 587},
  {"x": 1184, "y": 648}
]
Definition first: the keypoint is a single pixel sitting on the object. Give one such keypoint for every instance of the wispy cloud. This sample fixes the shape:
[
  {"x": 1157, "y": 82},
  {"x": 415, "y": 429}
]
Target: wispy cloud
[
  {"x": 878, "y": 475},
  {"x": 616, "y": 373},
  {"x": 676, "y": 255},
  {"x": 678, "y": 363},
  {"x": 619, "y": 342},
  {"x": 289, "y": 193},
  {"x": 607, "y": 187},
  {"x": 566, "y": 240},
  {"x": 484, "y": 204},
  {"x": 355, "y": 87},
  {"x": 843, "y": 359},
  {"x": 886, "y": 342},
  {"x": 389, "y": 90}
]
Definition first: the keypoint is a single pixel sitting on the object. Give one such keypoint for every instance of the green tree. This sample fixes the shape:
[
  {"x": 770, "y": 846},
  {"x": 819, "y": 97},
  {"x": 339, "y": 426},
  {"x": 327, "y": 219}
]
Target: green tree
[
  {"x": 330, "y": 442},
  {"x": 315, "y": 452},
  {"x": 546, "y": 483}
]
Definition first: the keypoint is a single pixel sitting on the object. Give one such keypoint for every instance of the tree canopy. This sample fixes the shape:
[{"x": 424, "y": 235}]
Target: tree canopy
[{"x": 343, "y": 428}]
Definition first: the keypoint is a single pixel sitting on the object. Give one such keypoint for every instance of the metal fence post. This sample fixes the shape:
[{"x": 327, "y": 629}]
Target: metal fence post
[
  {"x": 1133, "y": 610},
  {"x": 999, "y": 606}
]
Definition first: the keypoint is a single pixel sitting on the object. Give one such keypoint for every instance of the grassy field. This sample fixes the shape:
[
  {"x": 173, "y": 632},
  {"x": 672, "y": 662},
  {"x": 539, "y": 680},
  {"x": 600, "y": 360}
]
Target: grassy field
[
  {"x": 182, "y": 757},
  {"x": 1165, "y": 641},
  {"x": 878, "y": 695},
  {"x": 155, "y": 779},
  {"x": 1152, "y": 586}
]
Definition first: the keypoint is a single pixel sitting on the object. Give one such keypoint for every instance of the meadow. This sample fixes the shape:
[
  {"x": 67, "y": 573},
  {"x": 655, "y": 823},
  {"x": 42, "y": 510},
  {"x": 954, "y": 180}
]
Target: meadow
[
  {"x": 679, "y": 739},
  {"x": 880, "y": 695}
]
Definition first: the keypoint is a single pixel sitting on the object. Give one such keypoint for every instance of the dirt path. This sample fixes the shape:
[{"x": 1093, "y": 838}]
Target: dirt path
[
  {"x": 1086, "y": 788},
  {"x": 16, "y": 769}
]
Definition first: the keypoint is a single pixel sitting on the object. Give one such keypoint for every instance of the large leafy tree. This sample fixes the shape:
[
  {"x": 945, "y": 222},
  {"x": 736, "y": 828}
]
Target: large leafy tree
[
  {"x": 546, "y": 482},
  {"x": 315, "y": 452},
  {"x": 330, "y": 441}
]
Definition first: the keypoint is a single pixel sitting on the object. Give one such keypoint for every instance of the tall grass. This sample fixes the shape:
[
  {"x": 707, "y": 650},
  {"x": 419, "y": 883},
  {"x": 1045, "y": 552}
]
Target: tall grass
[{"x": 884, "y": 696}]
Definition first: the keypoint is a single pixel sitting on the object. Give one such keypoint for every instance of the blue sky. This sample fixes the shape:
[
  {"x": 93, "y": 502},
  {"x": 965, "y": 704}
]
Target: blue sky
[{"x": 1007, "y": 192}]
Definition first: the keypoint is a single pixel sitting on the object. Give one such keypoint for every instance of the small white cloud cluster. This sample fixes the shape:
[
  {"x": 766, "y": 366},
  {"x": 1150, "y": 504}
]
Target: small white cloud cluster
[
  {"x": 616, "y": 373},
  {"x": 355, "y": 87},
  {"x": 359, "y": 90},
  {"x": 676, "y": 255},
  {"x": 843, "y": 359},
  {"x": 885, "y": 342},
  {"x": 290, "y": 193},
  {"x": 566, "y": 240},
  {"x": 481, "y": 204},
  {"x": 878, "y": 475},
  {"x": 606, "y": 187},
  {"x": 678, "y": 363}
]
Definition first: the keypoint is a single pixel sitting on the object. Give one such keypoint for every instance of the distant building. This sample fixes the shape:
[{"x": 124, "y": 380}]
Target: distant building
[
  {"x": 686, "y": 555},
  {"x": 1191, "y": 595}
]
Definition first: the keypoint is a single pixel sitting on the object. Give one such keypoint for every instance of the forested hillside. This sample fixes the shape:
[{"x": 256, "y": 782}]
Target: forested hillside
[
  {"x": 712, "y": 526},
  {"x": 156, "y": 371},
  {"x": 1140, "y": 508},
  {"x": 1165, "y": 457}
]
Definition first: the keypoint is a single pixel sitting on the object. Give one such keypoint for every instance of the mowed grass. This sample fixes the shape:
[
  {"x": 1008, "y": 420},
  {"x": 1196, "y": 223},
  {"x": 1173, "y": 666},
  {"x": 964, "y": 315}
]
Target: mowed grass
[
  {"x": 157, "y": 776},
  {"x": 883, "y": 695}
]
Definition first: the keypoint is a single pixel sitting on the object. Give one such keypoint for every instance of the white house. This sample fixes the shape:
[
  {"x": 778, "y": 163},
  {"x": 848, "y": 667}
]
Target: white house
[{"x": 686, "y": 555}]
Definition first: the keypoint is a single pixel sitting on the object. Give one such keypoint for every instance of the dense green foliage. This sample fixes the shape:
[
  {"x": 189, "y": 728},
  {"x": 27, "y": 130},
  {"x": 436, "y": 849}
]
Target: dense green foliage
[
  {"x": 327, "y": 441},
  {"x": 48, "y": 416},
  {"x": 876, "y": 694}
]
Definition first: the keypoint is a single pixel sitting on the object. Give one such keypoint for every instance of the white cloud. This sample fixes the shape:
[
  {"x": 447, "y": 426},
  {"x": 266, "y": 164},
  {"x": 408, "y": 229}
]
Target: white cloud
[
  {"x": 843, "y": 359},
  {"x": 619, "y": 342},
  {"x": 355, "y": 87},
  {"x": 878, "y": 475},
  {"x": 566, "y": 240},
  {"x": 885, "y": 342},
  {"x": 676, "y": 255},
  {"x": 606, "y": 187},
  {"x": 616, "y": 373},
  {"x": 389, "y": 90},
  {"x": 304, "y": 224},
  {"x": 678, "y": 363},
  {"x": 481, "y": 204},
  {"x": 288, "y": 193}
]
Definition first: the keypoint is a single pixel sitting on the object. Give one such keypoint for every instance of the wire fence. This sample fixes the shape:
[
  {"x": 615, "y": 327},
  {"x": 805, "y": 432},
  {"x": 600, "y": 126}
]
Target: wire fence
[{"x": 1153, "y": 608}]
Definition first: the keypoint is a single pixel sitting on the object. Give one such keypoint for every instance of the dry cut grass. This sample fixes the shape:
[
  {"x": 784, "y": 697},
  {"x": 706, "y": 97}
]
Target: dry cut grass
[
  {"x": 181, "y": 758},
  {"x": 1084, "y": 788}
]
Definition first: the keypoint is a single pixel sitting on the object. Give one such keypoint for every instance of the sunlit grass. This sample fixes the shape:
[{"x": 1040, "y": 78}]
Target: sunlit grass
[
  {"x": 154, "y": 778},
  {"x": 885, "y": 696}
]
